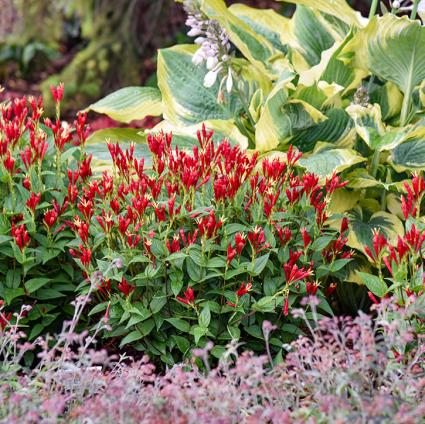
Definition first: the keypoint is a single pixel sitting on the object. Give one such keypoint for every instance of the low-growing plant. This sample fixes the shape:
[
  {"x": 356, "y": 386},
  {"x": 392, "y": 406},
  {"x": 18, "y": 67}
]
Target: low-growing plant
[
  {"x": 212, "y": 243},
  {"x": 357, "y": 370}
]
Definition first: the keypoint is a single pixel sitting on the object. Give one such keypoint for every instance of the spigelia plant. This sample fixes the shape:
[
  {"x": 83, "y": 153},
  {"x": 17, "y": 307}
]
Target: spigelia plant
[
  {"x": 350, "y": 97},
  {"x": 38, "y": 193},
  {"x": 212, "y": 242},
  {"x": 399, "y": 264}
]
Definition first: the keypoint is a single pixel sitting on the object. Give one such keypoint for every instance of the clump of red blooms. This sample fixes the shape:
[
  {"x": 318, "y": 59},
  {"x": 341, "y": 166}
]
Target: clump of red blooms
[{"x": 184, "y": 200}]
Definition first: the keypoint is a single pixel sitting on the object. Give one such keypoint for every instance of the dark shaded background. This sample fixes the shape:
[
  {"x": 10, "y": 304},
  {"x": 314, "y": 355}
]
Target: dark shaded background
[{"x": 93, "y": 46}]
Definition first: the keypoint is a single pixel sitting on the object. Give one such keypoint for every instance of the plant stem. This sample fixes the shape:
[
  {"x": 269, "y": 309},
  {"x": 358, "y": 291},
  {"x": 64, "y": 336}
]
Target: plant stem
[
  {"x": 373, "y": 8},
  {"x": 414, "y": 9},
  {"x": 375, "y": 163},
  {"x": 405, "y": 108}
]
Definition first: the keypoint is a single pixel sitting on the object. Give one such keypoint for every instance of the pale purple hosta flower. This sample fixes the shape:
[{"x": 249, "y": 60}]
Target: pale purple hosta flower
[{"x": 214, "y": 46}]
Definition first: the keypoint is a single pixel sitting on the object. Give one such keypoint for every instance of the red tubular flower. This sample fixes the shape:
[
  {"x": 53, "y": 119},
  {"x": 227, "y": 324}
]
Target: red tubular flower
[
  {"x": 115, "y": 206},
  {"x": 125, "y": 288},
  {"x": 414, "y": 238},
  {"x": 292, "y": 156},
  {"x": 83, "y": 232},
  {"x": 333, "y": 183},
  {"x": 33, "y": 201},
  {"x": 311, "y": 288},
  {"x": 306, "y": 237},
  {"x": 189, "y": 297},
  {"x": 174, "y": 246},
  {"x": 330, "y": 289},
  {"x": 86, "y": 208},
  {"x": 285, "y": 234},
  {"x": 5, "y": 320},
  {"x": 50, "y": 218},
  {"x": 240, "y": 242},
  {"x": 21, "y": 236},
  {"x": 84, "y": 169},
  {"x": 344, "y": 225},
  {"x": 310, "y": 183},
  {"x": 244, "y": 289},
  {"x": 106, "y": 221},
  {"x": 294, "y": 274},
  {"x": 231, "y": 253},
  {"x": 379, "y": 242},
  {"x": 133, "y": 240},
  {"x": 57, "y": 92},
  {"x": 9, "y": 163},
  {"x": 26, "y": 183},
  {"x": 84, "y": 254},
  {"x": 372, "y": 298},
  {"x": 123, "y": 224},
  {"x": 160, "y": 213},
  {"x": 286, "y": 307}
]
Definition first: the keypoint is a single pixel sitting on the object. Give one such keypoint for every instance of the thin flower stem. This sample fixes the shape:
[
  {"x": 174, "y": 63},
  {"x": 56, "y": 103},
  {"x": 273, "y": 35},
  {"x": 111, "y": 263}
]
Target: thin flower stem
[
  {"x": 373, "y": 8},
  {"x": 414, "y": 9}
]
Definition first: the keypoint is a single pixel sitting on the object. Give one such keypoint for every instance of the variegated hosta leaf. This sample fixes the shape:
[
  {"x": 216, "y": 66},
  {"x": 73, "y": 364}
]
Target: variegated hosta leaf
[
  {"x": 337, "y": 129},
  {"x": 370, "y": 128},
  {"x": 361, "y": 228},
  {"x": 254, "y": 46},
  {"x": 391, "y": 48},
  {"x": 274, "y": 27},
  {"x": 313, "y": 37},
  {"x": 410, "y": 154},
  {"x": 186, "y": 136},
  {"x": 130, "y": 103},
  {"x": 281, "y": 117},
  {"x": 185, "y": 99},
  {"x": 325, "y": 161},
  {"x": 97, "y": 145},
  {"x": 337, "y": 8},
  {"x": 343, "y": 200},
  {"x": 368, "y": 123},
  {"x": 389, "y": 98},
  {"x": 334, "y": 71},
  {"x": 319, "y": 95}
]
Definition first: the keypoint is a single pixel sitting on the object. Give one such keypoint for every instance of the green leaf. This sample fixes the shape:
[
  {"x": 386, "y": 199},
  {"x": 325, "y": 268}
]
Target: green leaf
[
  {"x": 259, "y": 264},
  {"x": 157, "y": 303},
  {"x": 361, "y": 228},
  {"x": 411, "y": 153},
  {"x": 131, "y": 337},
  {"x": 176, "y": 286},
  {"x": 265, "y": 304},
  {"x": 253, "y": 45},
  {"x": 311, "y": 34},
  {"x": 391, "y": 48},
  {"x": 130, "y": 103},
  {"x": 179, "y": 323},
  {"x": 327, "y": 161},
  {"x": 335, "y": 129},
  {"x": 182, "y": 343},
  {"x": 98, "y": 308},
  {"x": 376, "y": 285},
  {"x": 338, "y": 8},
  {"x": 205, "y": 316},
  {"x": 10, "y": 294},
  {"x": 178, "y": 76},
  {"x": 36, "y": 283},
  {"x": 199, "y": 332}
]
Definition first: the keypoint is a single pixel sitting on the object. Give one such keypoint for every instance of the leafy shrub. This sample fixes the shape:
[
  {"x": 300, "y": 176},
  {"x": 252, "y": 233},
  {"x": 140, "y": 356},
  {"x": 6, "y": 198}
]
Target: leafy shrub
[
  {"x": 211, "y": 243},
  {"x": 36, "y": 203},
  {"x": 357, "y": 370},
  {"x": 346, "y": 97}
]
